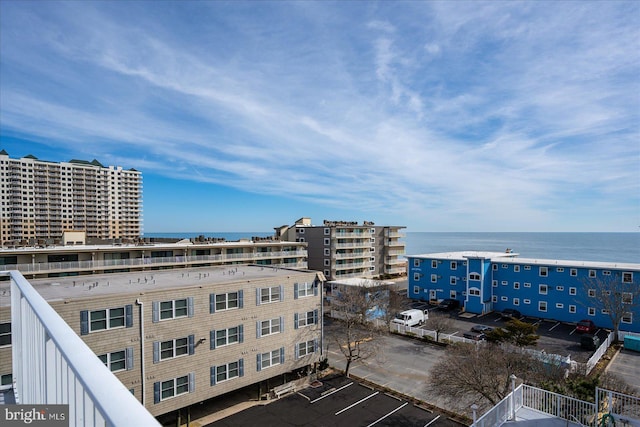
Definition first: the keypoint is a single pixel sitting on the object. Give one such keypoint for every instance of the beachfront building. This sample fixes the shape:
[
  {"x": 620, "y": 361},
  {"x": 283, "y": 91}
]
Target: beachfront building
[
  {"x": 42, "y": 199},
  {"x": 565, "y": 291},
  {"x": 178, "y": 337},
  {"x": 77, "y": 256},
  {"x": 344, "y": 249}
]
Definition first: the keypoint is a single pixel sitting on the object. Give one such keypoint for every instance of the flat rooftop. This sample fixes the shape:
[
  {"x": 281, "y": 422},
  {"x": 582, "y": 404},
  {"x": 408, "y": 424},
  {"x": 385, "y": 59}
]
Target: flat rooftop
[
  {"x": 90, "y": 286},
  {"x": 512, "y": 258}
]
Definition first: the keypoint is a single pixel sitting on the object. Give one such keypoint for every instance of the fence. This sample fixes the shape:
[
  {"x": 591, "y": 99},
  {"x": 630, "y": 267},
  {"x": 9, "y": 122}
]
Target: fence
[
  {"x": 558, "y": 405},
  {"x": 423, "y": 333},
  {"x": 503, "y": 411},
  {"x": 52, "y": 365},
  {"x": 593, "y": 360},
  {"x": 622, "y": 407}
]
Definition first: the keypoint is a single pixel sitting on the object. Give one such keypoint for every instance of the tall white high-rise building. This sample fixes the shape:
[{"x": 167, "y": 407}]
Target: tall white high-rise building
[{"x": 41, "y": 200}]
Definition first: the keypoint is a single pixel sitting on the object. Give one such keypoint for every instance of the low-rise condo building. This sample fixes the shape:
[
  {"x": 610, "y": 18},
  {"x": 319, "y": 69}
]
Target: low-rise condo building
[
  {"x": 178, "y": 337},
  {"x": 343, "y": 249},
  {"x": 566, "y": 291}
]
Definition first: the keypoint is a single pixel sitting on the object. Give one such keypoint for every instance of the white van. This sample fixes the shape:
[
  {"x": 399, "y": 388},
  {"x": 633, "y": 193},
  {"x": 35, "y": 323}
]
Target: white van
[{"x": 411, "y": 317}]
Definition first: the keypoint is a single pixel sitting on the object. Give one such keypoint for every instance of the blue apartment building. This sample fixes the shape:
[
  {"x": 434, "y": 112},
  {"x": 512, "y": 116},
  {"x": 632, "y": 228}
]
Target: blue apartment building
[{"x": 548, "y": 289}]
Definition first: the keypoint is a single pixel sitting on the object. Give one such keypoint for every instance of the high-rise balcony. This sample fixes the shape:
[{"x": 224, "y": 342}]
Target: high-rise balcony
[{"x": 52, "y": 365}]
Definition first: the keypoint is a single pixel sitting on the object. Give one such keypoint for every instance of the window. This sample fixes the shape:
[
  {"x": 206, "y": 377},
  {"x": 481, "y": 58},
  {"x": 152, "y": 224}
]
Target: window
[
  {"x": 494, "y": 298},
  {"x": 627, "y": 277},
  {"x": 272, "y": 358},
  {"x": 268, "y": 295},
  {"x": 327, "y": 251},
  {"x": 306, "y": 289},
  {"x": 572, "y": 309},
  {"x": 174, "y": 309},
  {"x": 416, "y": 276},
  {"x": 560, "y": 270},
  {"x": 544, "y": 271},
  {"x": 494, "y": 267},
  {"x": 516, "y": 301},
  {"x": 505, "y": 266},
  {"x": 170, "y": 349},
  {"x": 305, "y": 319},
  {"x": 474, "y": 291},
  {"x": 573, "y": 272},
  {"x": 6, "y": 379},
  {"x": 434, "y": 278},
  {"x": 627, "y": 298},
  {"x": 327, "y": 263},
  {"x": 494, "y": 283},
  {"x": 434, "y": 263},
  {"x": 592, "y": 293},
  {"x": 118, "y": 360},
  {"x": 452, "y": 294},
  {"x": 572, "y": 291},
  {"x": 604, "y": 311},
  {"x": 627, "y": 317},
  {"x": 5, "y": 334},
  {"x": 527, "y": 267},
  {"x": 559, "y": 305},
  {"x": 416, "y": 262},
  {"x": 327, "y": 231},
  {"x": 173, "y": 387},
  {"x": 227, "y": 301},
  {"x": 227, "y": 371},
  {"x": 474, "y": 276},
  {"x": 591, "y": 311},
  {"x": 269, "y": 327},
  {"x": 452, "y": 280},
  {"x": 516, "y": 285},
  {"x": 110, "y": 318},
  {"x": 504, "y": 283},
  {"x": 592, "y": 273},
  {"x": 222, "y": 337},
  {"x": 560, "y": 288},
  {"x": 454, "y": 265},
  {"x": 416, "y": 289},
  {"x": 527, "y": 301},
  {"x": 543, "y": 289},
  {"x": 527, "y": 284},
  {"x": 542, "y": 306},
  {"x": 504, "y": 298},
  {"x": 306, "y": 348},
  {"x": 327, "y": 242},
  {"x": 301, "y": 230},
  {"x": 516, "y": 268}
]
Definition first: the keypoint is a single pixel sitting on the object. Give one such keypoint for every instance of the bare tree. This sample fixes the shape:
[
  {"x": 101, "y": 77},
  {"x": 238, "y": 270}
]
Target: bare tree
[
  {"x": 357, "y": 331},
  {"x": 439, "y": 322},
  {"x": 481, "y": 373},
  {"x": 617, "y": 295}
]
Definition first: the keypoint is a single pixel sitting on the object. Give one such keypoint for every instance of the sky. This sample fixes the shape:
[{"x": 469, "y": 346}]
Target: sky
[{"x": 245, "y": 116}]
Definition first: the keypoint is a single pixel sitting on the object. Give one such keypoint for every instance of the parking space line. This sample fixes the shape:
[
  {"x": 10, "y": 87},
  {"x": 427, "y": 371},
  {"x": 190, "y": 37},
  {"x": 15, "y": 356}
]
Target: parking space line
[
  {"x": 571, "y": 333},
  {"x": 432, "y": 421},
  {"x": 554, "y": 326},
  {"x": 329, "y": 394},
  {"x": 390, "y": 413},
  {"x": 357, "y": 403}
]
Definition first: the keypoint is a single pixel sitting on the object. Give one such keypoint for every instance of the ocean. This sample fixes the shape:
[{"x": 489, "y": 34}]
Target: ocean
[{"x": 608, "y": 247}]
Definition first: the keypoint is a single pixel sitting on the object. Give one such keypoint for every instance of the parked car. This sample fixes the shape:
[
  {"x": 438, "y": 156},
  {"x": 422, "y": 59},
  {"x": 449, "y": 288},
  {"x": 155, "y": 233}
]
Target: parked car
[
  {"x": 448, "y": 304},
  {"x": 481, "y": 328},
  {"x": 510, "y": 313},
  {"x": 589, "y": 342},
  {"x": 586, "y": 327},
  {"x": 411, "y": 317},
  {"x": 474, "y": 336}
]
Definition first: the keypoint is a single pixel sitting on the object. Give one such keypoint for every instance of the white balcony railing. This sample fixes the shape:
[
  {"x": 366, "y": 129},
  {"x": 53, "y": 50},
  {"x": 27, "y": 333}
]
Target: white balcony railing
[{"x": 52, "y": 365}]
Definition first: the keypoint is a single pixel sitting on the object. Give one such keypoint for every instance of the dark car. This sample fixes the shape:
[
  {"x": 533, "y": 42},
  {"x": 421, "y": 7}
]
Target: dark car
[
  {"x": 589, "y": 342},
  {"x": 448, "y": 304},
  {"x": 481, "y": 328},
  {"x": 511, "y": 313},
  {"x": 474, "y": 336},
  {"x": 586, "y": 327}
]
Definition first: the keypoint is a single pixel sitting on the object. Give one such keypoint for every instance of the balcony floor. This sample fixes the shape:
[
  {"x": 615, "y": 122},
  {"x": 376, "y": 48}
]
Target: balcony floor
[{"x": 531, "y": 417}]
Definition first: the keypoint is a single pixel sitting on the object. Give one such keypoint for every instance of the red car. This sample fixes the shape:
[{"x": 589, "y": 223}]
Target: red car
[{"x": 586, "y": 327}]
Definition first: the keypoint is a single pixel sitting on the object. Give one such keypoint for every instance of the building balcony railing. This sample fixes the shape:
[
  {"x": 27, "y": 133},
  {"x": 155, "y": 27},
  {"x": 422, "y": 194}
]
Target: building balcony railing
[
  {"x": 149, "y": 262},
  {"x": 352, "y": 245},
  {"x": 351, "y": 265},
  {"x": 351, "y": 234},
  {"x": 351, "y": 255},
  {"x": 52, "y": 365}
]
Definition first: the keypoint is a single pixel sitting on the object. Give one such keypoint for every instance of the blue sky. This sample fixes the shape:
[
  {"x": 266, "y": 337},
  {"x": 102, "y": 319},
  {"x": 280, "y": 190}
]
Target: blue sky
[{"x": 243, "y": 116}]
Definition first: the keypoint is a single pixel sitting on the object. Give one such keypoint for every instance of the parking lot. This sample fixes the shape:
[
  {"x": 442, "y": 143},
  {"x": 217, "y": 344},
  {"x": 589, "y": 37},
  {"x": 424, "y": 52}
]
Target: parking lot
[
  {"x": 338, "y": 401},
  {"x": 555, "y": 337}
]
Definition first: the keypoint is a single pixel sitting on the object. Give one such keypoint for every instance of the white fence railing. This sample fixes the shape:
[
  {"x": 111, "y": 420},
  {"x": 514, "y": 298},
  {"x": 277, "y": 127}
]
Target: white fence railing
[
  {"x": 593, "y": 360},
  {"x": 558, "y": 405},
  {"x": 422, "y": 333},
  {"x": 623, "y": 407},
  {"x": 505, "y": 410},
  {"x": 52, "y": 365}
]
